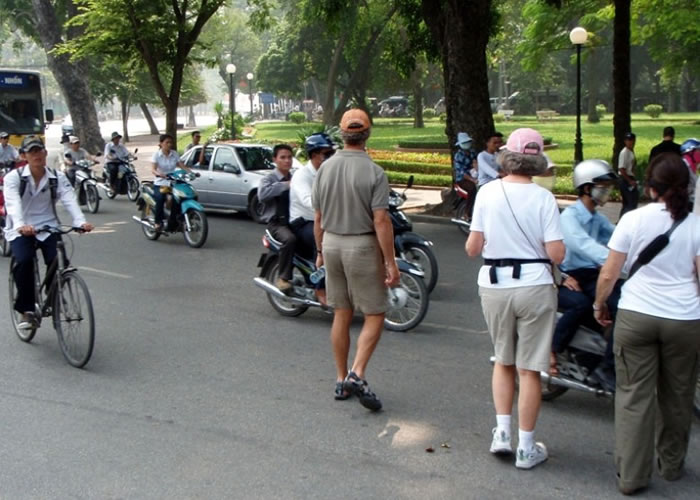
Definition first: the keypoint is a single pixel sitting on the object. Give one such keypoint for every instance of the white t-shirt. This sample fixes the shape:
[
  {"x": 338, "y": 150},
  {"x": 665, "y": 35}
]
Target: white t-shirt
[
  {"x": 166, "y": 165},
  {"x": 300, "y": 193},
  {"x": 626, "y": 161},
  {"x": 666, "y": 287},
  {"x": 538, "y": 215}
]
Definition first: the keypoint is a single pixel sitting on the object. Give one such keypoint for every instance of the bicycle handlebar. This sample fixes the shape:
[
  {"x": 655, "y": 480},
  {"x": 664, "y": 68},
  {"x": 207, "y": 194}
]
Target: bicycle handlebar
[{"x": 60, "y": 230}]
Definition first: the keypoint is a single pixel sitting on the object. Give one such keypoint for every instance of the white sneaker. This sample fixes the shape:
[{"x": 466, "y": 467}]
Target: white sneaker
[
  {"x": 529, "y": 459},
  {"x": 500, "y": 444}
]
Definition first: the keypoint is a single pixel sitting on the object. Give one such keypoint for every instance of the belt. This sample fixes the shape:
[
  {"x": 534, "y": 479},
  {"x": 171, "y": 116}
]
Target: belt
[{"x": 514, "y": 263}]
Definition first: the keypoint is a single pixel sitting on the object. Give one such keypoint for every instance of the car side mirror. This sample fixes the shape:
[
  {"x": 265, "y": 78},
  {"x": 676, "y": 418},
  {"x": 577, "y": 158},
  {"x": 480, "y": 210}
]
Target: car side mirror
[
  {"x": 232, "y": 169},
  {"x": 49, "y": 115}
]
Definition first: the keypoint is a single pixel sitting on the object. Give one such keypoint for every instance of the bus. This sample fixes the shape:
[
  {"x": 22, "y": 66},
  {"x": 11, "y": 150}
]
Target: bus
[{"x": 21, "y": 106}]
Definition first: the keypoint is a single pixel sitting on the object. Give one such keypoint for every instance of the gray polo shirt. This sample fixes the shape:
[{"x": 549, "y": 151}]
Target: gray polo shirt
[{"x": 347, "y": 190}]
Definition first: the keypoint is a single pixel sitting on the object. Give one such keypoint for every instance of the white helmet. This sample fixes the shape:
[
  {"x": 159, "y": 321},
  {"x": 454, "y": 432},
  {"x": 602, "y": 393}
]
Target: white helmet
[{"x": 593, "y": 172}]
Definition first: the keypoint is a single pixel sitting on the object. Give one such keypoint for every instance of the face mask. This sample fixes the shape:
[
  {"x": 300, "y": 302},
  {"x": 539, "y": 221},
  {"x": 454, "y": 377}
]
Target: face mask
[
  {"x": 466, "y": 146},
  {"x": 600, "y": 195}
]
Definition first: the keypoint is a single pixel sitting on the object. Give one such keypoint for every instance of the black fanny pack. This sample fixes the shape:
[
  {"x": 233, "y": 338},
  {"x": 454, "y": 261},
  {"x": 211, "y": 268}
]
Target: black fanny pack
[{"x": 514, "y": 263}]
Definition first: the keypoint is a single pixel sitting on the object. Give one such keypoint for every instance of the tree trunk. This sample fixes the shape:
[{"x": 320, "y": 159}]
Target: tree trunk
[
  {"x": 417, "y": 98},
  {"x": 191, "y": 122},
  {"x": 593, "y": 83},
  {"x": 685, "y": 89},
  {"x": 466, "y": 78},
  {"x": 149, "y": 118},
  {"x": 125, "y": 118},
  {"x": 622, "y": 121},
  {"x": 329, "y": 104},
  {"x": 72, "y": 77}
]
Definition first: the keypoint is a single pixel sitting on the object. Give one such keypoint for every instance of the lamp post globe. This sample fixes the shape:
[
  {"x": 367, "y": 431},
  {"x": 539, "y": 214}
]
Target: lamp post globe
[
  {"x": 578, "y": 37},
  {"x": 231, "y": 69}
]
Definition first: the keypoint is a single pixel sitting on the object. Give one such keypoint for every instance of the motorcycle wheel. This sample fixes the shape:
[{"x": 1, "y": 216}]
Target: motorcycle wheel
[
  {"x": 256, "y": 209},
  {"x": 150, "y": 233},
  {"x": 92, "y": 198},
  {"x": 412, "y": 312},
  {"x": 283, "y": 306},
  {"x": 462, "y": 214},
  {"x": 132, "y": 190},
  {"x": 111, "y": 193},
  {"x": 424, "y": 259},
  {"x": 696, "y": 406},
  {"x": 200, "y": 228}
]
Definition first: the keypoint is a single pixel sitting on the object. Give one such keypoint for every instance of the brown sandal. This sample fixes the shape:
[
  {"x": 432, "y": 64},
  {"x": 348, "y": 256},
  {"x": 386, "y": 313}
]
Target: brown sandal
[{"x": 553, "y": 370}]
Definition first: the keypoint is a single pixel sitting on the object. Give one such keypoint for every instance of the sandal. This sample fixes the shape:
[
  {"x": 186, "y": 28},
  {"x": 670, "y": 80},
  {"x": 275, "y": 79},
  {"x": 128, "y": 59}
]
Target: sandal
[
  {"x": 340, "y": 393},
  {"x": 553, "y": 370}
]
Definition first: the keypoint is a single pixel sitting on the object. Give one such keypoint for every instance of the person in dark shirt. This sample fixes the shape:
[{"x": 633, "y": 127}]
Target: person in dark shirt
[{"x": 667, "y": 145}]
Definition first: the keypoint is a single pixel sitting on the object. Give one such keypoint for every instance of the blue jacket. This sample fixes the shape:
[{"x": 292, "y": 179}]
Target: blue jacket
[{"x": 586, "y": 235}]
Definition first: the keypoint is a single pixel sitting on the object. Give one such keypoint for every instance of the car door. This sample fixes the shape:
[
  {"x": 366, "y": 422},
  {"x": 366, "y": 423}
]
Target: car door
[
  {"x": 203, "y": 183},
  {"x": 225, "y": 173}
]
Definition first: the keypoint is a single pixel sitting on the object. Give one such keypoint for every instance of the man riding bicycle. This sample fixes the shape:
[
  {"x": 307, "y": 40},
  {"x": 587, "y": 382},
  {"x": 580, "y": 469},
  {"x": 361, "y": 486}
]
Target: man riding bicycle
[{"x": 30, "y": 201}]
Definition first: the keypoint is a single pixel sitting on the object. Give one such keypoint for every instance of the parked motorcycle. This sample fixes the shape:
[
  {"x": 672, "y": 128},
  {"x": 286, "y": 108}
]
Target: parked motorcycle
[
  {"x": 191, "y": 221},
  {"x": 408, "y": 303},
  {"x": 4, "y": 244},
  {"x": 85, "y": 184},
  {"x": 410, "y": 246},
  {"x": 127, "y": 181},
  {"x": 463, "y": 220},
  {"x": 576, "y": 363}
]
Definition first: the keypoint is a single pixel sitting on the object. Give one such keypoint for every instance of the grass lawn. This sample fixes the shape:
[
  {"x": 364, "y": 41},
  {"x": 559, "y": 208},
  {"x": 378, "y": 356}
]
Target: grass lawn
[{"x": 597, "y": 138}]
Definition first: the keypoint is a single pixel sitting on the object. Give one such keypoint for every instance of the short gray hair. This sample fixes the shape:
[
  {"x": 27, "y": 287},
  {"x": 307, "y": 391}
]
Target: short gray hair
[
  {"x": 521, "y": 164},
  {"x": 355, "y": 138}
]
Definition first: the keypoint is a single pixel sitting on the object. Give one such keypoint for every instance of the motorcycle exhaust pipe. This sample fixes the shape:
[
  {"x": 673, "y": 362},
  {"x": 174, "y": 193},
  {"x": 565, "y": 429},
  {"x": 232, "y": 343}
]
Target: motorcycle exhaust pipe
[
  {"x": 270, "y": 288},
  {"x": 460, "y": 222},
  {"x": 144, "y": 222}
]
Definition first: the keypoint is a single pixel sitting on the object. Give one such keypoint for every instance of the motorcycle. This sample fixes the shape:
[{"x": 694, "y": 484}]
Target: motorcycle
[
  {"x": 411, "y": 246},
  {"x": 127, "y": 181},
  {"x": 463, "y": 219},
  {"x": 84, "y": 183},
  {"x": 576, "y": 364},
  {"x": 191, "y": 221},
  {"x": 408, "y": 303},
  {"x": 5, "y": 168}
]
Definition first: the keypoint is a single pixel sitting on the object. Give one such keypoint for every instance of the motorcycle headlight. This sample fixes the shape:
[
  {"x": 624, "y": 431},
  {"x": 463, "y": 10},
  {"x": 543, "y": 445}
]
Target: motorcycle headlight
[{"x": 395, "y": 201}]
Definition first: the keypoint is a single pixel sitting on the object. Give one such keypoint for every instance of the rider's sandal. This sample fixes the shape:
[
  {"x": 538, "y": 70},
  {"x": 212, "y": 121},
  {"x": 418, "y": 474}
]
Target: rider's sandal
[{"x": 553, "y": 370}]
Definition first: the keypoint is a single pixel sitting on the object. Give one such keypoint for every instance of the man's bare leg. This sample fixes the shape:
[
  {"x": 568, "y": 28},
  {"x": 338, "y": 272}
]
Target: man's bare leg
[
  {"x": 340, "y": 340},
  {"x": 367, "y": 342}
]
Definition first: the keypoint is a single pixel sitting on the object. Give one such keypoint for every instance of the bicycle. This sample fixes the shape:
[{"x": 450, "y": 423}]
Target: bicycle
[{"x": 67, "y": 300}]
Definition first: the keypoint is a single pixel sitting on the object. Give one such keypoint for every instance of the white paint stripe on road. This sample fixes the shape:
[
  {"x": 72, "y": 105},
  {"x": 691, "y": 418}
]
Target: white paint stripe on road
[
  {"x": 450, "y": 327},
  {"x": 106, "y": 273}
]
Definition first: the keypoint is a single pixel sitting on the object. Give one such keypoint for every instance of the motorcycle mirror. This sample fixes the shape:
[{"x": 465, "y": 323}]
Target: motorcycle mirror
[
  {"x": 410, "y": 182},
  {"x": 136, "y": 150}
]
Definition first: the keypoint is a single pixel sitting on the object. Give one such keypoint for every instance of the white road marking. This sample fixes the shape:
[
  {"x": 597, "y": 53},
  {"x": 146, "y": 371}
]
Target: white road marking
[{"x": 106, "y": 273}]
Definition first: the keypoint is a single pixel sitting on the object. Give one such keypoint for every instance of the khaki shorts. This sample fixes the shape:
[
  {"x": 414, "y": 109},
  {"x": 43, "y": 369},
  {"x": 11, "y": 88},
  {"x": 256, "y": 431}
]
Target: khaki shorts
[
  {"x": 354, "y": 273},
  {"x": 521, "y": 324}
]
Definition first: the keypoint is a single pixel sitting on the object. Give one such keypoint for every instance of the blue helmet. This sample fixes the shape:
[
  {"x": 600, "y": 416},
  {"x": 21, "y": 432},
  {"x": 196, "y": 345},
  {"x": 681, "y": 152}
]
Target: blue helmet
[
  {"x": 318, "y": 141},
  {"x": 690, "y": 145}
]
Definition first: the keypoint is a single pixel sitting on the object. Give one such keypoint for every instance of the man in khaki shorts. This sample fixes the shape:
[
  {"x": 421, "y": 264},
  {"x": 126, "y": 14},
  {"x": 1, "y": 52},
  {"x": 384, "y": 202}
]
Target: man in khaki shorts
[{"x": 355, "y": 240}]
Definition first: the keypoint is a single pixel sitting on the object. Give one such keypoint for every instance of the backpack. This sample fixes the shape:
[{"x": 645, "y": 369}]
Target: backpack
[{"x": 53, "y": 187}]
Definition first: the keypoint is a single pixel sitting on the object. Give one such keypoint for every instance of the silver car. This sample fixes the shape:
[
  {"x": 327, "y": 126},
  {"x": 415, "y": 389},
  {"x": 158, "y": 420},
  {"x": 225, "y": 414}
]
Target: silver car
[{"x": 230, "y": 175}]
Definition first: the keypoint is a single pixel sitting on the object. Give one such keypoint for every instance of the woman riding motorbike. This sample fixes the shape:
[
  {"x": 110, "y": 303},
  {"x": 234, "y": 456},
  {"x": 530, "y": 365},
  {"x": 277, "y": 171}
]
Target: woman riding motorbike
[{"x": 165, "y": 161}]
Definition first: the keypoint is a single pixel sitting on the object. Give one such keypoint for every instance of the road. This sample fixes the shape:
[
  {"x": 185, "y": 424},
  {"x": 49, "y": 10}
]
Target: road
[{"x": 198, "y": 389}]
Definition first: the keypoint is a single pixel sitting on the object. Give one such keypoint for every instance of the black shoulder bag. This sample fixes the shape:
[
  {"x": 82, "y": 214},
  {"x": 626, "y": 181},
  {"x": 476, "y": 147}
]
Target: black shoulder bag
[{"x": 653, "y": 248}]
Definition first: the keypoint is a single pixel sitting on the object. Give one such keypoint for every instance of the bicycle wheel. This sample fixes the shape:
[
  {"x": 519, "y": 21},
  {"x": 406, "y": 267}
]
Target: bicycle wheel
[
  {"x": 74, "y": 319},
  {"x": 24, "y": 334}
]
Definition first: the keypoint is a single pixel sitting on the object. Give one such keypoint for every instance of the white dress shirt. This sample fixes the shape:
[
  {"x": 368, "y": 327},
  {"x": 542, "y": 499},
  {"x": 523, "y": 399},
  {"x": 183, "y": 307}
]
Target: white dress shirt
[
  {"x": 34, "y": 208},
  {"x": 300, "y": 193},
  {"x": 165, "y": 164},
  {"x": 8, "y": 154},
  {"x": 120, "y": 152}
]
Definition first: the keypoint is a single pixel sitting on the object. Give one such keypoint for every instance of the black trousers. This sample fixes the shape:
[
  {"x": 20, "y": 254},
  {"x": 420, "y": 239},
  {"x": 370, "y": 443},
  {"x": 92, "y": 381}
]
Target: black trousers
[
  {"x": 630, "y": 196},
  {"x": 303, "y": 229},
  {"x": 23, "y": 251},
  {"x": 282, "y": 233}
]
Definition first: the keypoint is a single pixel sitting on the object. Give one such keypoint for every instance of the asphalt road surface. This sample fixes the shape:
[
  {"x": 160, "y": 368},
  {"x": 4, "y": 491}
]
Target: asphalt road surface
[{"x": 198, "y": 389}]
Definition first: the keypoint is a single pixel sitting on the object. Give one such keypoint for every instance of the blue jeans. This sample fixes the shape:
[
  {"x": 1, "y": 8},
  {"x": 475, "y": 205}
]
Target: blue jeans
[{"x": 23, "y": 251}]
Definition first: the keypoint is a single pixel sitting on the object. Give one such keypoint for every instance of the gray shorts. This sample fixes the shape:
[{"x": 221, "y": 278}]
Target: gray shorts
[
  {"x": 521, "y": 323},
  {"x": 355, "y": 273}
]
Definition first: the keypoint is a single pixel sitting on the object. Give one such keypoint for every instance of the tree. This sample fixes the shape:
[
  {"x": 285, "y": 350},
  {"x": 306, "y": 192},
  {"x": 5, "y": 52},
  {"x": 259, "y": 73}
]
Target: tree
[
  {"x": 160, "y": 33},
  {"x": 45, "y": 21},
  {"x": 622, "y": 119}
]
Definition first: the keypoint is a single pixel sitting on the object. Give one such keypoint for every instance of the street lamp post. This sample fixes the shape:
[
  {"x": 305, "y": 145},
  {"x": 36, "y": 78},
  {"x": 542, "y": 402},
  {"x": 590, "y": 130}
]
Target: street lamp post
[
  {"x": 249, "y": 76},
  {"x": 231, "y": 69},
  {"x": 578, "y": 37}
]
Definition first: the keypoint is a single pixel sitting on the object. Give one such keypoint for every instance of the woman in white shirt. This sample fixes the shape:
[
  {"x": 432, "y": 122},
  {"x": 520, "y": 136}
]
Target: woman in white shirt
[
  {"x": 164, "y": 161},
  {"x": 657, "y": 331}
]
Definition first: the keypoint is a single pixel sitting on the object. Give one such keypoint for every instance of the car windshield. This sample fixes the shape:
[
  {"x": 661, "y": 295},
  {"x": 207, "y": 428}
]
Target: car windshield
[{"x": 256, "y": 158}]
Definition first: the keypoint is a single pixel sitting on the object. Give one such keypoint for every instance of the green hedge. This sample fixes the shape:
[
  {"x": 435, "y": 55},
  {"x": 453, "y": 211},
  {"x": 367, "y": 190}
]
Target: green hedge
[
  {"x": 423, "y": 145},
  {"x": 420, "y": 179},
  {"x": 414, "y": 167}
]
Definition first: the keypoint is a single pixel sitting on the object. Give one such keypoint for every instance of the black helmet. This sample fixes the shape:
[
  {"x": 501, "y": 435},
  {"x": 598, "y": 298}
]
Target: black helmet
[{"x": 318, "y": 141}]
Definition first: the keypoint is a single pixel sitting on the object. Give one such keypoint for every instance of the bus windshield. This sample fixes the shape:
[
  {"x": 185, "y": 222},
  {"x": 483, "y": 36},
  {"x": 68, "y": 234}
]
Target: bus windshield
[{"x": 20, "y": 103}]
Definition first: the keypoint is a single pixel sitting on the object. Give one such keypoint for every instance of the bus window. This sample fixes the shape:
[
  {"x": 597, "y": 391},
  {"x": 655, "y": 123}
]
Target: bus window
[{"x": 20, "y": 103}]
